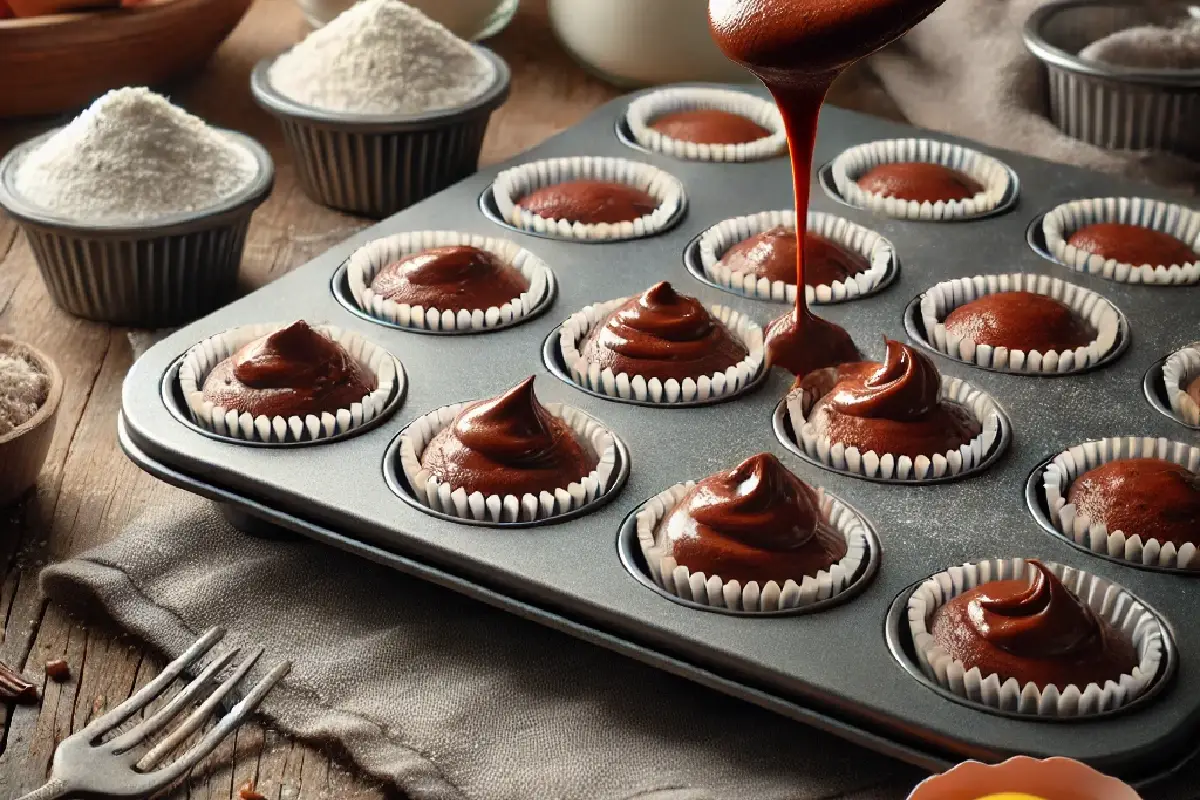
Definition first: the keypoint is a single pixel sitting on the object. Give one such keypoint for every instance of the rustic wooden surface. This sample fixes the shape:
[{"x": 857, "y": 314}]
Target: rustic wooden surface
[{"x": 89, "y": 490}]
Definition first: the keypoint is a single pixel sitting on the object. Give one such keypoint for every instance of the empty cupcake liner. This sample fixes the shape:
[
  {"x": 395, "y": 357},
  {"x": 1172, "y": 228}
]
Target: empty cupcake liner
[
  {"x": 553, "y": 502},
  {"x": 1179, "y": 370},
  {"x": 647, "y": 108},
  {"x": 513, "y": 184},
  {"x": 717, "y": 241},
  {"x": 938, "y": 301},
  {"x": 992, "y": 174},
  {"x": 710, "y": 590},
  {"x": 204, "y": 357},
  {"x": 1175, "y": 220},
  {"x": 1068, "y": 465},
  {"x": 835, "y": 455},
  {"x": 1110, "y": 601},
  {"x": 366, "y": 262},
  {"x": 702, "y": 387}
]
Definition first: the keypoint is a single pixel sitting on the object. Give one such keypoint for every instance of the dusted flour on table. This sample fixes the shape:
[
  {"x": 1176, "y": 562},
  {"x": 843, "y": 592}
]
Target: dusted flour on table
[
  {"x": 134, "y": 156},
  {"x": 23, "y": 390},
  {"x": 382, "y": 57}
]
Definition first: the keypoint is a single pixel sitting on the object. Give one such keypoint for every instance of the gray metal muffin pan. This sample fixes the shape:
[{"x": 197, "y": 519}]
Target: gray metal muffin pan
[{"x": 832, "y": 669}]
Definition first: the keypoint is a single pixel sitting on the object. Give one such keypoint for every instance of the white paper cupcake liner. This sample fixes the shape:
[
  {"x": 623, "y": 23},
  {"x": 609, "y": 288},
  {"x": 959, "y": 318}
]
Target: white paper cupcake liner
[
  {"x": 1179, "y": 370},
  {"x": 513, "y": 184},
  {"x": 367, "y": 261},
  {"x": 1110, "y": 601},
  {"x": 204, "y": 357},
  {"x": 888, "y": 466},
  {"x": 555, "y": 501},
  {"x": 938, "y": 301},
  {"x": 775, "y": 595},
  {"x": 1176, "y": 220},
  {"x": 992, "y": 174},
  {"x": 1068, "y": 465},
  {"x": 717, "y": 241},
  {"x": 647, "y": 108},
  {"x": 700, "y": 388}
]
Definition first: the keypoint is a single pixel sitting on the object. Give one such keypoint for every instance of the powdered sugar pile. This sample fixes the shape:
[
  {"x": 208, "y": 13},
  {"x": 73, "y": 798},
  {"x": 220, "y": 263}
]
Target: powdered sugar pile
[
  {"x": 1149, "y": 47},
  {"x": 23, "y": 390},
  {"x": 382, "y": 57},
  {"x": 132, "y": 155}
]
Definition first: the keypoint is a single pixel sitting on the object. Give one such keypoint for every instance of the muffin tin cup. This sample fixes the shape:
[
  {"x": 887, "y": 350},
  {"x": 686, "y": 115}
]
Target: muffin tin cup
[
  {"x": 1178, "y": 371},
  {"x": 366, "y": 262},
  {"x": 649, "y": 107},
  {"x": 513, "y": 184},
  {"x": 937, "y": 302},
  {"x": 147, "y": 274},
  {"x": 1109, "y": 601},
  {"x": 971, "y": 457},
  {"x": 554, "y": 502},
  {"x": 715, "y": 242},
  {"x": 1175, "y": 220},
  {"x": 202, "y": 358},
  {"x": 783, "y": 594},
  {"x": 690, "y": 391},
  {"x": 1062, "y": 470},
  {"x": 997, "y": 178},
  {"x": 376, "y": 165}
]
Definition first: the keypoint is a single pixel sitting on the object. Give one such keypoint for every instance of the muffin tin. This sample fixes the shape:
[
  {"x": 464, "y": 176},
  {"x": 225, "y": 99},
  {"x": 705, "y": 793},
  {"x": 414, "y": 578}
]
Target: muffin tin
[{"x": 841, "y": 667}]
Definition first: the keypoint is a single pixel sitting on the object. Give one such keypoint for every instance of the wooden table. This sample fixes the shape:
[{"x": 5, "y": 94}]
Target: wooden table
[{"x": 88, "y": 490}]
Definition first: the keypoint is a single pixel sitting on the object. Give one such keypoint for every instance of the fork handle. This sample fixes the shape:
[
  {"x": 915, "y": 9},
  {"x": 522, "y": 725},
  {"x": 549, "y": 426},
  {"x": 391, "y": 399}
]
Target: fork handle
[{"x": 53, "y": 790}]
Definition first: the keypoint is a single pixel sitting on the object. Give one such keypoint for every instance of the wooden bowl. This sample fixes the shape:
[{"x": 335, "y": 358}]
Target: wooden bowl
[
  {"x": 23, "y": 449},
  {"x": 62, "y": 62}
]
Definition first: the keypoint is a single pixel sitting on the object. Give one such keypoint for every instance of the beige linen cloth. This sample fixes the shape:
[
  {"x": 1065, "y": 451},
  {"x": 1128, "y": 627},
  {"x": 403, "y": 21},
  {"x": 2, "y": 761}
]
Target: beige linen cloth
[{"x": 453, "y": 700}]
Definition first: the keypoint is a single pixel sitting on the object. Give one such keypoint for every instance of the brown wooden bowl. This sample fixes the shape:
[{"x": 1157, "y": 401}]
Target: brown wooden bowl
[
  {"x": 62, "y": 62},
  {"x": 23, "y": 449}
]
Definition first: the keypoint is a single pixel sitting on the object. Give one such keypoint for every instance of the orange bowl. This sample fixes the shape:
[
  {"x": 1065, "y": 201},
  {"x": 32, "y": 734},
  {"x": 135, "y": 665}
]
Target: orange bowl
[
  {"x": 1051, "y": 778},
  {"x": 62, "y": 62}
]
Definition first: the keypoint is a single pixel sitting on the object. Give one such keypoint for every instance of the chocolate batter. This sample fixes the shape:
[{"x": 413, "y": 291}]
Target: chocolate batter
[
  {"x": 1149, "y": 497},
  {"x": 709, "y": 126},
  {"x": 590, "y": 202},
  {"x": 1021, "y": 321},
  {"x": 919, "y": 182},
  {"x": 452, "y": 278},
  {"x": 1132, "y": 244},
  {"x": 772, "y": 255}
]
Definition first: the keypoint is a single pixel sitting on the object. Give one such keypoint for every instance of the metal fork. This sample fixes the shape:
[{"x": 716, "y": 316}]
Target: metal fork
[{"x": 83, "y": 764}]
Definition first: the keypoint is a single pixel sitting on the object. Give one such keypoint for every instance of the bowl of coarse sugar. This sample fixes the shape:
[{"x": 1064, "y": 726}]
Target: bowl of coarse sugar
[
  {"x": 30, "y": 390},
  {"x": 382, "y": 107},
  {"x": 136, "y": 210}
]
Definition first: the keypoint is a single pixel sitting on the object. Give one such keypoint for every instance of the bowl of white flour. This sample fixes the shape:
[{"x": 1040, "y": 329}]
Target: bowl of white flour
[{"x": 382, "y": 107}]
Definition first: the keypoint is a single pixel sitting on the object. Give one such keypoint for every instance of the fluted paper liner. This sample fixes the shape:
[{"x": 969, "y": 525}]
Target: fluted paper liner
[
  {"x": 1179, "y": 370},
  {"x": 553, "y": 502},
  {"x": 367, "y": 261},
  {"x": 204, "y": 357},
  {"x": 513, "y": 184},
  {"x": 720, "y": 238},
  {"x": 888, "y": 466},
  {"x": 1068, "y": 465},
  {"x": 778, "y": 594},
  {"x": 1175, "y": 220},
  {"x": 989, "y": 172},
  {"x": 944, "y": 297},
  {"x": 699, "y": 388},
  {"x": 1110, "y": 602},
  {"x": 647, "y": 108}
]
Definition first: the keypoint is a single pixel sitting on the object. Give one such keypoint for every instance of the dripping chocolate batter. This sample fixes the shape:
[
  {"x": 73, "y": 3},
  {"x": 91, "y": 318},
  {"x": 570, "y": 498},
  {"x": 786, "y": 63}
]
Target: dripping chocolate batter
[{"x": 797, "y": 48}]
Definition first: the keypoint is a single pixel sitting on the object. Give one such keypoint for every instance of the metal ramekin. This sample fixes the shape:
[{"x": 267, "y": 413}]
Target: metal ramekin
[
  {"x": 155, "y": 273},
  {"x": 377, "y": 165},
  {"x": 1120, "y": 108}
]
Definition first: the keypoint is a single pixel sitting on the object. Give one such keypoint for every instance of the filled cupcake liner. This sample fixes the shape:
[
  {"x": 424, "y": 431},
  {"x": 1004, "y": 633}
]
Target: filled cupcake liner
[
  {"x": 1175, "y": 220},
  {"x": 938, "y": 301},
  {"x": 366, "y": 262},
  {"x": 699, "y": 388},
  {"x": 1068, "y": 465},
  {"x": 647, "y": 108},
  {"x": 1110, "y": 602},
  {"x": 991, "y": 173},
  {"x": 717, "y": 241},
  {"x": 775, "y": 595},
  {"x": 888, "y": 466},
  {"x": 205, "y": 356},
  {"x": 1179, "y": 370},
  {"x": 553, "y": 502},
  {"x": 513, "y": 184}
]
